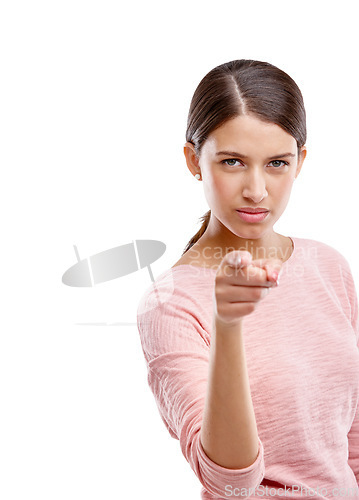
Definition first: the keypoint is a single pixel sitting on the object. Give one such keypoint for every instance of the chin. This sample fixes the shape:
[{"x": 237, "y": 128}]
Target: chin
[{"x": 254, "y": 233}]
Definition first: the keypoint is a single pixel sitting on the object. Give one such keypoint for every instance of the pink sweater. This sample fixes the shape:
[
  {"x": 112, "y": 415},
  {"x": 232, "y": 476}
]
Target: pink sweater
[{"x": 302, "y": 355}]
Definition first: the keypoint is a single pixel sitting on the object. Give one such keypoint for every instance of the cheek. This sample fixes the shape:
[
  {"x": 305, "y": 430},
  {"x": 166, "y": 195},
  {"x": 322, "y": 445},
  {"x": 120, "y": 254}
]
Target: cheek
[
  {"x": 283, "y": 189},
  {"x": 219, "y": 188}
]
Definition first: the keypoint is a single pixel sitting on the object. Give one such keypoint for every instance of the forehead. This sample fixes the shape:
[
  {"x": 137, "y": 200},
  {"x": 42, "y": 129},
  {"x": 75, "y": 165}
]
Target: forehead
[{"x": 250, "y": 136}]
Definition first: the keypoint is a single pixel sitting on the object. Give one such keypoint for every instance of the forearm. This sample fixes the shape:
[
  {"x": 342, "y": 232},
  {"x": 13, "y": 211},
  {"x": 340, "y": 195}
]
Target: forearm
[{"x": 229, "y": 432}]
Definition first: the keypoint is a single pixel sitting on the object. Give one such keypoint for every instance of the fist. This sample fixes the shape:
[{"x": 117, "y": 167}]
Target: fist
[{"x": 241, "y": 283}]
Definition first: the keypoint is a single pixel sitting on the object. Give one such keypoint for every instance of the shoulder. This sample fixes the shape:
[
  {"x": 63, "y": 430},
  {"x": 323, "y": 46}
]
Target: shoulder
[
  {"x": 174, "y": 312},
  {"x": 329, "y": 272},
  {"x": 193, "y": 257},
  {"x": 325, "y": 256},
  {"x": 180, "y": 288},
  {"x": 325, "y": 264}
]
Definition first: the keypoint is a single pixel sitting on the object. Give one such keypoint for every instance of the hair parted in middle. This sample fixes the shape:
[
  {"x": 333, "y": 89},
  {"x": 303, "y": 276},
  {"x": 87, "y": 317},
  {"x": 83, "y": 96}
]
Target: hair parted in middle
[{"x": 244, "y": 87}]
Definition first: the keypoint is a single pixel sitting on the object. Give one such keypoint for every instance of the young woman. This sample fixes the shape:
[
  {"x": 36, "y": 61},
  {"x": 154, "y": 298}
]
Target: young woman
[{"x": 258, "y": 380}]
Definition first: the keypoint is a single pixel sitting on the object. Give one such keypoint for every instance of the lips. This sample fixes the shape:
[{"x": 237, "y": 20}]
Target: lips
[
  {"x": 249, "y": 210},
  {"x": 256, "y": 215}
]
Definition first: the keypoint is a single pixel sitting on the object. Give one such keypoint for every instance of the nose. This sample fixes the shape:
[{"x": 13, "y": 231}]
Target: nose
[{"x": 254, "y": 187}]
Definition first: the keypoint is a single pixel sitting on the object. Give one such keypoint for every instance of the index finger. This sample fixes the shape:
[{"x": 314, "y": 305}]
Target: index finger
[
  {"x": 239, "y": 265},
  {"x": 272, "y": 266},
  {"x": 238, "y": 258}
]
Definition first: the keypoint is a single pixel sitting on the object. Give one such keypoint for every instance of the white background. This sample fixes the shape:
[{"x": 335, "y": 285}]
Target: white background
[{"x": 94, "y": 102}]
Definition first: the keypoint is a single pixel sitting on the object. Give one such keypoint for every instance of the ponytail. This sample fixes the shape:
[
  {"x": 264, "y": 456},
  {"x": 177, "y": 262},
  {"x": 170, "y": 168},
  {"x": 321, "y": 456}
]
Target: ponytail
[{"x": 205, "y": 220}]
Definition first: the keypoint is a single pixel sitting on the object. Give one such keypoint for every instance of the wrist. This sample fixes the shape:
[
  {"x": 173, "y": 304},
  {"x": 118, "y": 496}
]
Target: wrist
[{"x": 226, "y": 326}]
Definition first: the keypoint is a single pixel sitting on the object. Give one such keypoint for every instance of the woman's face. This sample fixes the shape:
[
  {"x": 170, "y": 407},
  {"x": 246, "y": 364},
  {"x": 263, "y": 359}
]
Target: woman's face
[{"x": 242, "y": 164}]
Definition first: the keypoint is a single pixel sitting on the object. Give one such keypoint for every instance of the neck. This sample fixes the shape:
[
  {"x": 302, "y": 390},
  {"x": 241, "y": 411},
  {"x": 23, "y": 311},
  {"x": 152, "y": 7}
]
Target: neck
[{"x": 267, "y": 245}]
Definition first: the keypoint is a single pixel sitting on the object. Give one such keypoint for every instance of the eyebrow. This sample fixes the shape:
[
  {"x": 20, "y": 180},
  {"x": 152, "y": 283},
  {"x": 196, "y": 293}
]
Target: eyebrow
[{"x": 240, "y": 155}]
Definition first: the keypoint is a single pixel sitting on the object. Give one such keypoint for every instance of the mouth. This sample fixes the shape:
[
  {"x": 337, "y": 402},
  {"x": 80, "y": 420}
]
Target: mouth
[
  {"x": 250, "y": 210},
  {"x": 252, "y": 216}
]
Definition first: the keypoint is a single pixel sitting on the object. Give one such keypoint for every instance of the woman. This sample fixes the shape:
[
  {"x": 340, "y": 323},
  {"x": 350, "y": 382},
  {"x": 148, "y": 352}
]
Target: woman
[{"x": 261, "y": 389}]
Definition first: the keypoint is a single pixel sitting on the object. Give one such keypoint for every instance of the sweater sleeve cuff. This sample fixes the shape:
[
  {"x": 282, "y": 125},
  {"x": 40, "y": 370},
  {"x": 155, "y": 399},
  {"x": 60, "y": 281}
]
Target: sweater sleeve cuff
[{"x": 221, "y": 481}]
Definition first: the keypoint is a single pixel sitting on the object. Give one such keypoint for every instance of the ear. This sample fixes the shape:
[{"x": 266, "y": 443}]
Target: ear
[
  {"x": 302, "y": 155},
  {"x": 192, "y": 159}
]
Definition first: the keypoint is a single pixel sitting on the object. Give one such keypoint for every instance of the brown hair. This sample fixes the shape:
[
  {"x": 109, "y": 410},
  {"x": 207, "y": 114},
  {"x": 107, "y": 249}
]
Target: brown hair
[{"x": 241, "y": 87}]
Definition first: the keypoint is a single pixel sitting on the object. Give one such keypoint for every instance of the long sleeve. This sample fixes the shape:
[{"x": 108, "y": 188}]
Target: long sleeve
[
  {"x": 353, "y": 435},
  {"x": 175, "y": 341},
  {"x": 302, "y": 351}
]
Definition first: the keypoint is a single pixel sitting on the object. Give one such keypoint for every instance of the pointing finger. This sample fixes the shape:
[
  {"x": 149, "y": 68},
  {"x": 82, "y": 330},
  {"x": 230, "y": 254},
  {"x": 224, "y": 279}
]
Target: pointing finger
[
  {"x": 272, "y": 266},
  {"x": 238, "y": 258}
]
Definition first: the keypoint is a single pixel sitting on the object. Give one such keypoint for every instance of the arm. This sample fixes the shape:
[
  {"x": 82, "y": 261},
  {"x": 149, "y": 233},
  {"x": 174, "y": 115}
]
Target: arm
[
  {"x": 229, "y": 432},
  {"x": 176, "y": 344}
]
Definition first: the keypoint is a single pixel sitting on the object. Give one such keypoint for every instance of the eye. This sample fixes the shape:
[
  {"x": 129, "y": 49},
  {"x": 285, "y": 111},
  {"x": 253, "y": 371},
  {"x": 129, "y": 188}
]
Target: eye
[
  {"x": 230, "y": 160},
  {"x": 278, "y": 161}
]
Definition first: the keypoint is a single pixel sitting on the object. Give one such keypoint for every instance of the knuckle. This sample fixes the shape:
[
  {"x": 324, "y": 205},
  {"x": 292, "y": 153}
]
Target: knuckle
[
  {"x": 257, "y": 293},
  {"x": 249, "y": 308},
  {"x": 252, "y": 271},
  {"x": 219, "y": 280}
]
